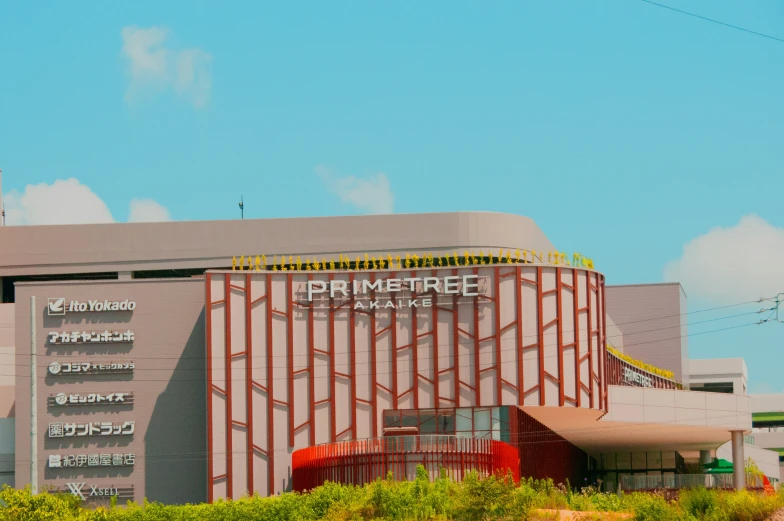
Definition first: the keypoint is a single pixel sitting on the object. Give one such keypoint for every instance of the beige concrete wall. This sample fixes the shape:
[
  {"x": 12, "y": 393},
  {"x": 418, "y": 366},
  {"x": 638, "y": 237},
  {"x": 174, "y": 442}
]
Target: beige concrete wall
[
  {"x": 767, "y": 402},
  {"x": 678, "y": 408},
  {"x": 474, "y": 348},
  {"x": 7, "y": 341},
  {"x": 651, "y": 318},
  {"x": 211, "y": 244},
  {"x": 767, "y": 460},
  {"x": 168, "y": 386},
  {"x": 720, "y": 370},
  {"x": 614, "y": 334}
]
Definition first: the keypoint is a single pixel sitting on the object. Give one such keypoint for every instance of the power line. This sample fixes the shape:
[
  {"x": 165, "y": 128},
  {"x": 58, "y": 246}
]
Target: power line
[
  {"x": 447, "y": 344},
  {"x": 532, "y": 335},
  {"x": 347, "y": 363},
  {"x": 714, "y": 21}
]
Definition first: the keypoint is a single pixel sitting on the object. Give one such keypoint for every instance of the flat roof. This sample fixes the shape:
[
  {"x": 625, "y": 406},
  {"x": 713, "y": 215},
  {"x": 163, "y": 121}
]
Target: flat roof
[{"x": 122, "y": 247}]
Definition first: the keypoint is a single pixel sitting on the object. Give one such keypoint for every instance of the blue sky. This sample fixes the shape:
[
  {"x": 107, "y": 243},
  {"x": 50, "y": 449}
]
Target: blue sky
[{"x": 625, "y": 130}]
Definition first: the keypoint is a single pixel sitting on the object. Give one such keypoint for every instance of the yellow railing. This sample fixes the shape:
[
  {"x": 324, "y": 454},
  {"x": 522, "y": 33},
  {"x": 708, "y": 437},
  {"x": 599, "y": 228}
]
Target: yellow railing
[
  {"x": 427, "y": 260},
  {"x": 642, "y": 365}
]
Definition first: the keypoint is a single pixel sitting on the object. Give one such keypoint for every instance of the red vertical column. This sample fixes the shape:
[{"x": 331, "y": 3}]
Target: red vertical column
[
  {"x": 497, "y": 309},
  {"x": 576, "y": 329},
  {"x": 393, "y": 342},
  {"x": 559, "y": 318},
  {"x": 249, "y": 382},
  {"x": 415, "y": 348},
  {"x": 270, "y": 394},
  {"x": 519, "y": 309},
  {"x": 477, "y": 371},
  {"x": 290, "y": 353},
  {"x": 373, "y": 368},
  {"x": 210, "y": 448},
  {"x": 588, "y": 301},
  {"x": 331, "y": 340},
  {"x": 456, "y": 345},
  {"x": 229, "y": 427},
  {"x": 540, "y": 327},
  {"x": 352, "y": 324},
  {"x": 605, "y": 383},
  {"x": 311, "y": 374},
  {"x": 436, "y": 376}
]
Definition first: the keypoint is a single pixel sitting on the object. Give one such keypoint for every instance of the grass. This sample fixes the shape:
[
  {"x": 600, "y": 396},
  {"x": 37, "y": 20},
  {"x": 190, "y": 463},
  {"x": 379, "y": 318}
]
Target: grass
[{"x": 474, "y": 499}]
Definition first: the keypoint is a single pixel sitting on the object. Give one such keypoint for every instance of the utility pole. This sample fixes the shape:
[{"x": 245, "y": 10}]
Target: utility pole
[
  {"x": 242, "y": 209},
  {"x": 33, "y": 401}
]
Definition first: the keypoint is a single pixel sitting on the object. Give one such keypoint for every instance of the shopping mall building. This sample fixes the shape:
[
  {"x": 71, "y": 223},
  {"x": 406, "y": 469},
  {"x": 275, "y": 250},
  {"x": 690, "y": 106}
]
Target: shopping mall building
[{"x": 192, "y": 361}]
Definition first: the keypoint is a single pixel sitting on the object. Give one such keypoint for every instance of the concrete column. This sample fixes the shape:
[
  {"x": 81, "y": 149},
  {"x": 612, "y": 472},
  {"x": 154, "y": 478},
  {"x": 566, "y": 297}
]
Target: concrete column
[
  {"x": 124, "y": 275},
  {"x": 705, "y": 457},
  {"x": 738, "y": 461}
]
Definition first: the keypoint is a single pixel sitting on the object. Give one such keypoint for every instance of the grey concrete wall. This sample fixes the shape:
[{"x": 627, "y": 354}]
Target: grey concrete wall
[
  {"x": 180, "y": 245},
  {"x": 650, "y": 316},
  {"x": 168, "y": 385}
]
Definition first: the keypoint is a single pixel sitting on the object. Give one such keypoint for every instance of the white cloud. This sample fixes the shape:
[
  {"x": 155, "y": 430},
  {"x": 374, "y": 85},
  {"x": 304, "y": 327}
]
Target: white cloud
[
  {"x": 147, "y": 211},
  {"x": 152, "y": 66},
  {"x": 62, "y": 202},
  {"x": 70, "y": 202},
  {"x": 729, "y": 265},
  {"x": 372, "y": 194}
]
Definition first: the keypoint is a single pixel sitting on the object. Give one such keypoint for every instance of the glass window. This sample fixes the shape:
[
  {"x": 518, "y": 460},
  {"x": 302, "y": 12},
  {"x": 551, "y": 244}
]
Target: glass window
[
  {"x": 654, "y": 460},
  {"x": 496, "y": 418},
  {"x": 391, "y": 419},
  {"x": 624, "y": 460},
  {"x": 427, "y": 422},
  {"x": 668, "y": 460},
  {"x": 608, "y": 461},
  {"x": 410, "y": 418},
  {"x": 481, "y": 419},
  {"x": 482, "y": 434},
  {"x": 639, "y": 461},
  {"x": 463, "y": 420},
  {"x": 446, "y": 422}
]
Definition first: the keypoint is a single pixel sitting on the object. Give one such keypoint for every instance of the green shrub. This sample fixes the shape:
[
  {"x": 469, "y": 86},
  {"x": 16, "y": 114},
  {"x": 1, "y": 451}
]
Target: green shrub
[
  {"x": 475, "y": 499},
  {"x": 745, "y": 506},
  {"x": 649, "y": 507},
  {"x": 698, "y": 502}
]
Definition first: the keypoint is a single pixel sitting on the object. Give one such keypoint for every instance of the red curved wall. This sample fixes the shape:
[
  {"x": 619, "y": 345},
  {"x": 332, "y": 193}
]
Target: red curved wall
[{"x": 358, "y": 462}]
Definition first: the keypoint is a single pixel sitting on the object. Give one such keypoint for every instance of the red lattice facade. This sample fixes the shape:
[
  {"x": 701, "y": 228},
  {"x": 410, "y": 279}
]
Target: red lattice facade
[{"x": 286, "y": 373}]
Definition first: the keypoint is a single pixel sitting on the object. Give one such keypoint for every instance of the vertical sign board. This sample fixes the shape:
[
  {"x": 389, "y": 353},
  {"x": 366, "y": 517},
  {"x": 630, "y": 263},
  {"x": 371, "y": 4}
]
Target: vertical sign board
[{"x": 89, "y": 409}]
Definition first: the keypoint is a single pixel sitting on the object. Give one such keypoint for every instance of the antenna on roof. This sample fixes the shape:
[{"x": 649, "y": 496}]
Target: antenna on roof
[{"x": 242, "y": 209}]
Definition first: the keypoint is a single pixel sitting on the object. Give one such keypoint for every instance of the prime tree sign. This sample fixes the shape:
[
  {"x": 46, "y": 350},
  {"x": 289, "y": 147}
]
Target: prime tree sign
[{"x": 396, "y": 293}]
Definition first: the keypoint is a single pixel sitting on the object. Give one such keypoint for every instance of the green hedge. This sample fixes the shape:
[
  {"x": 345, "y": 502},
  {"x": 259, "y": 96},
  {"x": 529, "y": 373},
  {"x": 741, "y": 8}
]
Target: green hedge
[{"x": 475, "y": 499}]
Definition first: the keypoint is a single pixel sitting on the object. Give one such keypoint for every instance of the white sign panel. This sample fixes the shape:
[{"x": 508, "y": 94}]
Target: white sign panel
[
  {"x": 91, "y": 337},
  {"x": 423, "y": 287},
  {"x": 73, "y": 368},
  {"x": 59, "y": 306},
  {"x": 87, "y": 492},
  {"x": 58, "y": 461},
  {"x": 92, "y": 399},
  {"x": 634, "y": 377},
  {"x": 68, "y": 430}
]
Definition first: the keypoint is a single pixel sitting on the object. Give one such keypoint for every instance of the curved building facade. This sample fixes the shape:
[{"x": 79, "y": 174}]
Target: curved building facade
[{"x": 302, "y": 359}]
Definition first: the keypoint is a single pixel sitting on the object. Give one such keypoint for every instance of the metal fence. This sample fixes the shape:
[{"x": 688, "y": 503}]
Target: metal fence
[
  {"x": 362, "y": 461},
  {"x": 680, "y": 481}
]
